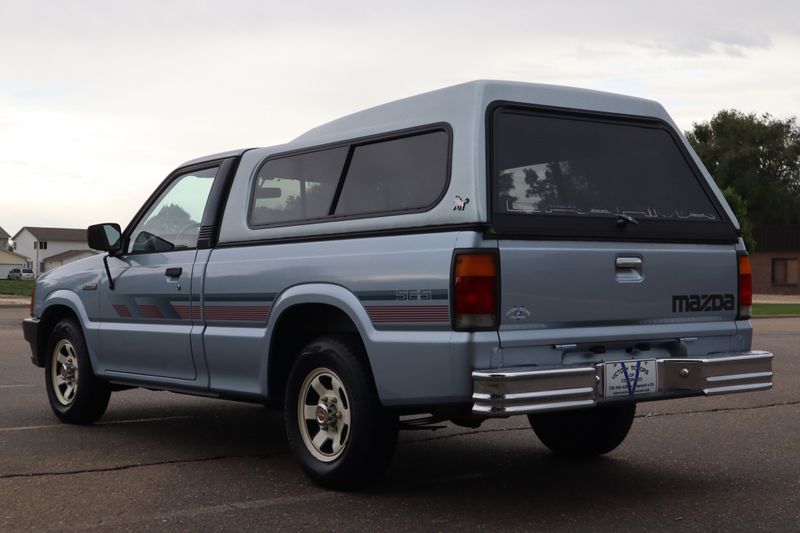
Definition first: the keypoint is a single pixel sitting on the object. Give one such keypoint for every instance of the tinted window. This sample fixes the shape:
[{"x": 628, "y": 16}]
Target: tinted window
[
  {"x": 297, "y": 187},
  {"x": 401, "y": 174},
  {"x": 547, "y": 165},
  {"x": 395, "y": 175}
]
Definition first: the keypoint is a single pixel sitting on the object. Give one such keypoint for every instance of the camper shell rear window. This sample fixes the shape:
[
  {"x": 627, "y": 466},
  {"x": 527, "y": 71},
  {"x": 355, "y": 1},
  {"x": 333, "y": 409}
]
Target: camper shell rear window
[{"x": 564, "y": 174}]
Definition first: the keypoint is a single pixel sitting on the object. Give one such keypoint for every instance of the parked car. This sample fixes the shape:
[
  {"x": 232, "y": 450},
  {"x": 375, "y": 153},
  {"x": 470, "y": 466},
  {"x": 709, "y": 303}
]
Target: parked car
[
  {"x": 487, "y": 250},
  {"x": 21, "y": 273}
]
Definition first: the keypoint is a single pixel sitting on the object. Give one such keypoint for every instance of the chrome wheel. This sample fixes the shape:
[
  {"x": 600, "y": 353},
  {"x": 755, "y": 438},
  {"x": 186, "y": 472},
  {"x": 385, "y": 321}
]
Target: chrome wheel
[
  {"x": 64, "y": 372},
  {"x": 323, "y": 414}
]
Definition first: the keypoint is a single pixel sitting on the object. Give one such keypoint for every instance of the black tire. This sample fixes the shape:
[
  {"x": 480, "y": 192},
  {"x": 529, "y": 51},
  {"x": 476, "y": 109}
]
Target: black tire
[
  {"x": 584, "y": 432},
  {"x": 358, "y": 436},
  {"x": 87, "y": 400}
]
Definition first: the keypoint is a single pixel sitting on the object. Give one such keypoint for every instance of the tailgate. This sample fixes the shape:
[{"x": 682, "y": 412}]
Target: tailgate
[{"x": 583, "y": 284}]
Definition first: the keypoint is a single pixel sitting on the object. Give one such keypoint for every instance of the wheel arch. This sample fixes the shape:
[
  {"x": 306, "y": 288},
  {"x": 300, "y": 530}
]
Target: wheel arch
[
  {"x": 303, "y": 313},
  {"x": 59, "y": 305}
]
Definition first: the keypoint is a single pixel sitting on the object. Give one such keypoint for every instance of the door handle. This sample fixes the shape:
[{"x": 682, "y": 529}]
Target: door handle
[
  {"x": 629, "y": 262},
  {"x": 174, "y": 272}
]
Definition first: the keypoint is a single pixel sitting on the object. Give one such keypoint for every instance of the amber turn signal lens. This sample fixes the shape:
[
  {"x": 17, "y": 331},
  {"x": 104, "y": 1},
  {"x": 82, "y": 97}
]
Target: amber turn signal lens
[
  {"x": 745, "y": 287},
  {"x": 475, "y": 290}
]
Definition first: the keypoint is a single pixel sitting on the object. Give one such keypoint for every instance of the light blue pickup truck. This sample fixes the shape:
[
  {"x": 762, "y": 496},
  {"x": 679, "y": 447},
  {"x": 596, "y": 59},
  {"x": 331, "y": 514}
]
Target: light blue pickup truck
[{"x": 485, "y": 250}]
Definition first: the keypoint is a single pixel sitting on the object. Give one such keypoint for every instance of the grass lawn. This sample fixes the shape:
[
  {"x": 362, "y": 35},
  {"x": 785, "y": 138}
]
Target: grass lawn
[
  {"x": 16, "y": 287},
  {"x": 776, "y": 309}
]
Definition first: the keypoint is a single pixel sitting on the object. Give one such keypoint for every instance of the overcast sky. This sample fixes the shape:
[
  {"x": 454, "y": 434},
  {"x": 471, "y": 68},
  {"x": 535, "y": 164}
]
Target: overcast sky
[{"x": 100, "y": 100}]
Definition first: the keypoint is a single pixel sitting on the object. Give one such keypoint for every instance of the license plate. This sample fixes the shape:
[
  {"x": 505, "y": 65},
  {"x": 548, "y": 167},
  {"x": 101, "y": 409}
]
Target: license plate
[{"x": 629, "y": 378}]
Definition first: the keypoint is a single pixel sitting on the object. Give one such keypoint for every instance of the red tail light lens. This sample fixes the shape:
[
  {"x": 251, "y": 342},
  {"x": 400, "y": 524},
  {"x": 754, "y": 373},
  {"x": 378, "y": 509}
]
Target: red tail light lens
[
  {"x": 475, "y": 290},
  {"x": 33, "y": 295},
  {"x": 745, "y": 287}
]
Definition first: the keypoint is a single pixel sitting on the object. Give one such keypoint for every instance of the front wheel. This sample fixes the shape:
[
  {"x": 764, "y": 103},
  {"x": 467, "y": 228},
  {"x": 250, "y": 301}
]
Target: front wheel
[
  {"x": 584, "y": 432},
  {"x": 336, "y": 426},
  {"x": 75, "y": 394}
]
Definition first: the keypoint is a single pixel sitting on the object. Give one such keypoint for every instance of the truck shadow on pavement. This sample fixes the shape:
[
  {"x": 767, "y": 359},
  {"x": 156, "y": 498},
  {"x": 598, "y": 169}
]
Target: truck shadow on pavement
[{"x": 502, "y": 465}]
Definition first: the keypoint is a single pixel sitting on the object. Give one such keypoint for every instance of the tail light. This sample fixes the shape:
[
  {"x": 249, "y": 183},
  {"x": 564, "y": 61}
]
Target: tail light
[
  {"x": 475, "y": 283},
  {"x": 745, "y": 287},
  {"x": 33, "y": 295}
]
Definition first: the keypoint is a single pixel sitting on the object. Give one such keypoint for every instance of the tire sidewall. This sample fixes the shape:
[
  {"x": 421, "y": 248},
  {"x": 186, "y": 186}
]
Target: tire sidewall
[
  {"x": 91, "y": 396},
  {"x": 585, "y": 432},
  {"x": 369, "y": 435}
]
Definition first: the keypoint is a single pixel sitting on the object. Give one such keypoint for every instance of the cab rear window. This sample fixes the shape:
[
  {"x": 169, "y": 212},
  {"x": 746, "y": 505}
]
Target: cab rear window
[{"x": 594, "y": 176}]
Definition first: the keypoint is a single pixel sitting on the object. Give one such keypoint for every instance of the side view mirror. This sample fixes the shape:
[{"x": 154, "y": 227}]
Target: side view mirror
[{"x": 104, "y": 237}]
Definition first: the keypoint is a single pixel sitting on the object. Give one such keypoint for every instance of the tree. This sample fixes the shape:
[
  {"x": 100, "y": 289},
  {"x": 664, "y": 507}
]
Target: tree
[
  {"x": 169, "y": 221},
  {"x": 756, "y": 158},
  {"x": 503, "y": 187},
  {"x": 739, "y": 207}
]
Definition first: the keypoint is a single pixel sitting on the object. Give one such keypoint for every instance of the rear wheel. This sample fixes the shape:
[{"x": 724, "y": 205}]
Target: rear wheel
[
  {"x": 336, "y": 426},
  {"x": 584, "y": 432},
  {"x": 76, "y": 396}
]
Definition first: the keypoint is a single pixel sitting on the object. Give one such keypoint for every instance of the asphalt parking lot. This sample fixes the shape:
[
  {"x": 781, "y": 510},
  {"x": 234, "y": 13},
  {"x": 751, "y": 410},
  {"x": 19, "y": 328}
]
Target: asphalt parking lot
[{"x": 165, "y": 461}]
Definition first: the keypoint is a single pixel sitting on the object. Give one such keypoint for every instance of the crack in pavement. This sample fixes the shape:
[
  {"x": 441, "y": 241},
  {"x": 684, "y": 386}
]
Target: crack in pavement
[
  {"x": 722, "y": 409},
  {"x": 414, "y": 441},
  {"x": 127, "y": 467},
  {"x": 98, "y": 424},
  {"x": 314, "y": 496},
  {"x": 646, "y": 415}
]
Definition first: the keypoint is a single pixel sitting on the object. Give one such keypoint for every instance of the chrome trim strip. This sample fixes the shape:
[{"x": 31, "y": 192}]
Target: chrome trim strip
[
  {"x": 737, "y": 388},
  {"x": 735, "y": 377},
  {"x": 487, "y": 410},
  {"x": 532, "y": 395},
  {"x": 483, "y": 375}
]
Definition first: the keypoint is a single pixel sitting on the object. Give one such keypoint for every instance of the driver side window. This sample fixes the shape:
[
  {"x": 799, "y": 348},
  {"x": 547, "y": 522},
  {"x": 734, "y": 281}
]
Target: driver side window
[{"x": 173, "y": 221}]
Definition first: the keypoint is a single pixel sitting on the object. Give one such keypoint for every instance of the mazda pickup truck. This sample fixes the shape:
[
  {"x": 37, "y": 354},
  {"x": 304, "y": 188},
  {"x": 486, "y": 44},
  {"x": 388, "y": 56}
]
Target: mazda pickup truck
[{"x": 491, "y": 249}]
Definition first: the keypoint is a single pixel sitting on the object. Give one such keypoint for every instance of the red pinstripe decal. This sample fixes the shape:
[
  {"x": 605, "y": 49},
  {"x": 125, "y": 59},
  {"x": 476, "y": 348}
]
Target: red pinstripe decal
[
  {"x": 243, "y": 313},
  {"x": 121, "y": 310},
  {"x": 410, "y": 313},
  {"x": 184, "y": 310},
  {"x": 150, "y": 311}
]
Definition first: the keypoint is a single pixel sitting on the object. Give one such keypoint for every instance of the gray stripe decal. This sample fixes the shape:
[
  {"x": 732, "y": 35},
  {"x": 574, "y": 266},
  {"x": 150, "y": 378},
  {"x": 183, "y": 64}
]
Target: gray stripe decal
[
  {"x": 412, "y": 295},
  {"x": 233, "y": 297}
]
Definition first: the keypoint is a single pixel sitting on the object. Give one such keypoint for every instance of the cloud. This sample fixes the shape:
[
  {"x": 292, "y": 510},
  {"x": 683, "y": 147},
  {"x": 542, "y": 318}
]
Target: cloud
[
  {"x": 734, "y": 44},
  {"x": 109, "y": 96}
]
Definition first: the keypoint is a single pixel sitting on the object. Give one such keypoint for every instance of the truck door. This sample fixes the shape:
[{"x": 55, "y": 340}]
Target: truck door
[{"x": 149, "y": 315}]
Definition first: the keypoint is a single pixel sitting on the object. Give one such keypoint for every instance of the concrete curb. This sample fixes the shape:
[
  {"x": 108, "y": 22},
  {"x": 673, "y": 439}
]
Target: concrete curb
[
  {"x": 7, "y": 301},
  {"x": 759, "y": 317}
]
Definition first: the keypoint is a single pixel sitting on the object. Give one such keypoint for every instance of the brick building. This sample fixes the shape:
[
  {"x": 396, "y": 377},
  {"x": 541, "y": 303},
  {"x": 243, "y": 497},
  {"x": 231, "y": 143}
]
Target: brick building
[{"x": 775, "y": 261}]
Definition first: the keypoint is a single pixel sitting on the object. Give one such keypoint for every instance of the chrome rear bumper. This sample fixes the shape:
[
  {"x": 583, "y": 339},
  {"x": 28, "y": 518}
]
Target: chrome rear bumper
[{"x": 505, "y": 392}]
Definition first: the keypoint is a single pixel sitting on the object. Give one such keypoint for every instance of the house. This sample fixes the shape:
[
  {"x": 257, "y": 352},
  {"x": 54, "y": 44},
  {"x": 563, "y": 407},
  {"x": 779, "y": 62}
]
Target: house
[
  {"x": 9, "y": 260},
  {"x": 776, "y": 269},
  {"x": 66, "y": 257},
  {"x": 42, "y": 244},
  {"x": 4, "y": 239}
]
